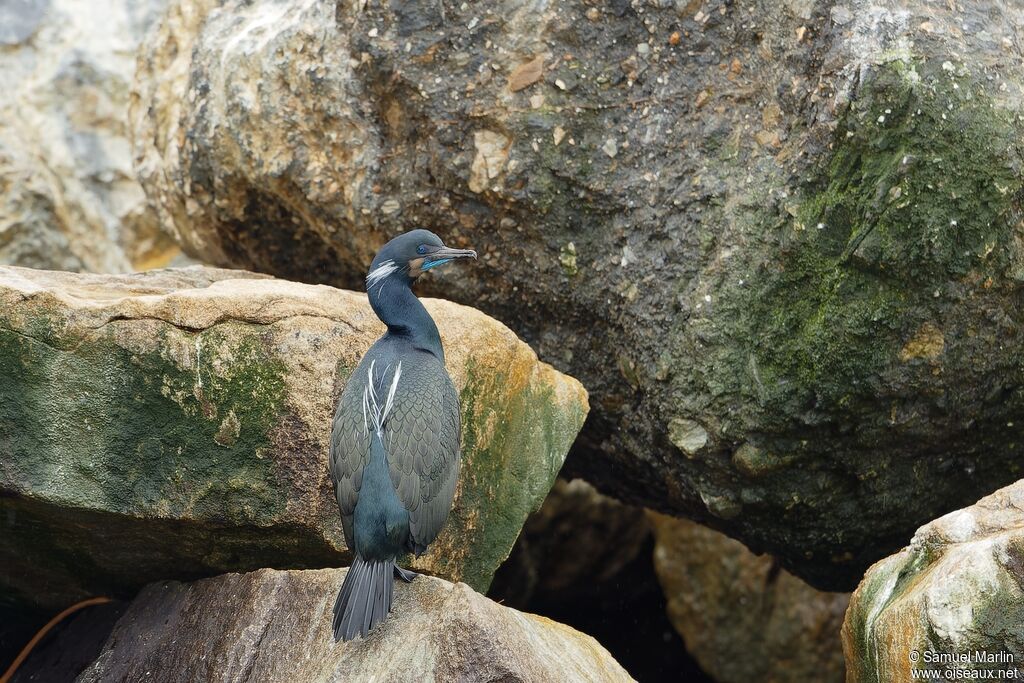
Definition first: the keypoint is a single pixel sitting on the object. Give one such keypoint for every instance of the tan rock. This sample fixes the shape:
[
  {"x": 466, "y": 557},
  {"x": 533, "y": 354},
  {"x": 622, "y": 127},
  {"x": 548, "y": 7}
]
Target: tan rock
[
  {"x": 526, "y": 74},
  {"x": 743, "y": 618},
  {"x": 275, "y": 626},
  {"x": 68, "y": 195},
  {"x": 332, "y": 155},
  {"x": 491, "y": 155},
  {"x": 175, "y": 424},
  {"x": 950, "y": 604}
]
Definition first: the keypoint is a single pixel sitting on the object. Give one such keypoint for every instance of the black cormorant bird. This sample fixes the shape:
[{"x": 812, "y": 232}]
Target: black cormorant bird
[{"x": 395, "y": 437}]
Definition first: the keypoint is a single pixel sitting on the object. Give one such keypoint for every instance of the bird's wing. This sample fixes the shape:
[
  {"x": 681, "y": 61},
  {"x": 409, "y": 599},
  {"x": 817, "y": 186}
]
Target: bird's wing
[
  {"x": 421, "y": 436},
  {"x": 350, "y": 448}
]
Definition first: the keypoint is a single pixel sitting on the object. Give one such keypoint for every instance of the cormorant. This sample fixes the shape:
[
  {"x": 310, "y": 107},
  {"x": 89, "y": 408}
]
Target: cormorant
[{"x": 394, "y": 455}]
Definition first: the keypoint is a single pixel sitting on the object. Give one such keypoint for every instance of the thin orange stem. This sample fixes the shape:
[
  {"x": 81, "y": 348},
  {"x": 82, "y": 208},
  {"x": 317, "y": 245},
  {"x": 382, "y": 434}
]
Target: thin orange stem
[{"x": 20, "y": 659}]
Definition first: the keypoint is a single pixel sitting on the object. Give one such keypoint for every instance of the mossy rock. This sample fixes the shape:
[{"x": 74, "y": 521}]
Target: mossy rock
[
  {"x": 174, "y": 424},
  {"x": 949, "y": 606}
]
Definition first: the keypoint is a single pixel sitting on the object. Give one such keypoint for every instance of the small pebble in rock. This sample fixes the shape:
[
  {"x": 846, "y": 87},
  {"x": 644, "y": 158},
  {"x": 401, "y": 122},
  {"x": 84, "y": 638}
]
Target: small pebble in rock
[{"x": 841, "y": 15}]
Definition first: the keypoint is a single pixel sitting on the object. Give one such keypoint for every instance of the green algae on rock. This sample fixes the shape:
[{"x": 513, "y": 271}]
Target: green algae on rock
[
  {"x": 871, "y": 332},
  {"x": 949, "y": 605},
  {"x": 175, "y": 423}
]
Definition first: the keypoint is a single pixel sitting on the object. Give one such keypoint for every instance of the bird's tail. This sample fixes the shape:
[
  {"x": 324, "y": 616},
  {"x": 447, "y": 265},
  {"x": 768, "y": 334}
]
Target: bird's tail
[{"x": 365, "y": 598}]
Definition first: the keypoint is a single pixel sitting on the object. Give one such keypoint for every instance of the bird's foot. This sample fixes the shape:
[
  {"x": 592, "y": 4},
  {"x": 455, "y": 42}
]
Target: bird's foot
[{"x": 405, "y": 574}]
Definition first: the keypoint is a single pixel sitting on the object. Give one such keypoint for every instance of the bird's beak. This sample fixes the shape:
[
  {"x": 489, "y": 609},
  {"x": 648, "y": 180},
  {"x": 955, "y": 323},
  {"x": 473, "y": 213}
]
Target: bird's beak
[{"x": 446, "y": 254}]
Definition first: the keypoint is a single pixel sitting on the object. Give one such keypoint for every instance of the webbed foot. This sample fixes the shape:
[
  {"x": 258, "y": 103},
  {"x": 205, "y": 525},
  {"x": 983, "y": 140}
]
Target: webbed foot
[{"x": 405, "y": 574}]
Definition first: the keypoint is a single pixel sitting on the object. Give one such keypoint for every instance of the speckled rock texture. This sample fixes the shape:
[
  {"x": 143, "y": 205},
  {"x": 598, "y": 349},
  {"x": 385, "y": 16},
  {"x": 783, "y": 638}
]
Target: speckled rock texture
[
  {"x": 272, "y": 626},
  {"x": 950, "y": 604},
  {"x": 742, "y": 616},
  {"x": 777, "y": 241},
  {"x": 174, "y": 424},
  {"x": 69, "y": 199}
]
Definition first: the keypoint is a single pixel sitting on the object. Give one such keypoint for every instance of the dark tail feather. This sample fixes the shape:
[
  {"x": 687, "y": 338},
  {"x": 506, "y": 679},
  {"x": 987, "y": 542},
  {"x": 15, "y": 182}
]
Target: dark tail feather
[{"x": 365, "y": 598}]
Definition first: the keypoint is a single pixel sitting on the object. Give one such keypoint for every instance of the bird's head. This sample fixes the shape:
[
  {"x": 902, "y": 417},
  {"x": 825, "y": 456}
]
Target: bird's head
[{"x": 410, "y": 255}]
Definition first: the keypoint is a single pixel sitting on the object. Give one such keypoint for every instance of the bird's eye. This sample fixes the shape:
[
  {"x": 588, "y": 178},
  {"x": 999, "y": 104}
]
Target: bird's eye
[{"x": 422, "y": 249}]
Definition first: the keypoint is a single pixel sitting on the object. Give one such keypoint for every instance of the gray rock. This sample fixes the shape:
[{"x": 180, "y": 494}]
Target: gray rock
[
  {"x": 687, "y": 435},
  {"x": 275, "y": 626},
  {"x": 841, "y": 15},
  {"x": 19, "y": 19},
  {"x": 796, "y": 214}
]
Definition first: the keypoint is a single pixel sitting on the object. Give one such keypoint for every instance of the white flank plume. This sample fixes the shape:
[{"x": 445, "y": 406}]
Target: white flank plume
[{"x": 373, "y": 411}]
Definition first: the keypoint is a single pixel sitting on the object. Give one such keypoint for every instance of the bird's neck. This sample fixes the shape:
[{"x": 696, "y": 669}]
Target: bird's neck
[{"x": 404, "y": 314}]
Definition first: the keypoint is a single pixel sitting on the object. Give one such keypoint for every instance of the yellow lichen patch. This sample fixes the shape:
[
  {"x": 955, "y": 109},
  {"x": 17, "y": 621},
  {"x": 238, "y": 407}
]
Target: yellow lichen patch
[{"x": 927, "y": 343}]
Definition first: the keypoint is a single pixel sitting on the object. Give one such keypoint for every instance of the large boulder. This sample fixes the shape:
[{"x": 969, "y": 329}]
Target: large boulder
[
  {"x": 777, "y": 241},
  {"x": 276, "y": 626},
  {"x": 174, "y": 424},
  {"x": 69, "y": 198},
  {"x": 743, "y": 617},
  {"x": 949, "y": 606}
]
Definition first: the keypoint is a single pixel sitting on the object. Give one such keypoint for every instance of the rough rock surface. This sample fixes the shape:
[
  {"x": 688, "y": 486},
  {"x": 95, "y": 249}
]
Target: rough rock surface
[
  {"x": 743, "y": 618},
  {"x": 69, "y": 199},
  {"x": 174, "y": 424},
  {"x": 951, "y": 602},
  {"x": 275, "y": 626},
  {"x": 776, "y": 241}
]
